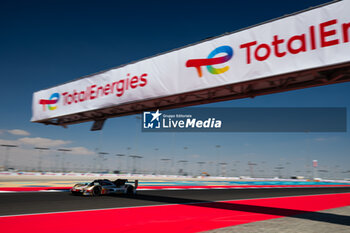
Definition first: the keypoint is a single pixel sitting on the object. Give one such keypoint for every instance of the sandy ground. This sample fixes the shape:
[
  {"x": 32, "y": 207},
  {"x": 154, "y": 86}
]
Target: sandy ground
[
  {"x": 68, "y": 181},
  {"x": 332, "y": 220}
]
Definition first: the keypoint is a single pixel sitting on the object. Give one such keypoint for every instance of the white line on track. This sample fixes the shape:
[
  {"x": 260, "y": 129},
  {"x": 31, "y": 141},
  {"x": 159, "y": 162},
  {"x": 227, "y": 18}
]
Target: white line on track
[
  {"x": 52, "y": 191},
  {"x": 47, "y": 191}
]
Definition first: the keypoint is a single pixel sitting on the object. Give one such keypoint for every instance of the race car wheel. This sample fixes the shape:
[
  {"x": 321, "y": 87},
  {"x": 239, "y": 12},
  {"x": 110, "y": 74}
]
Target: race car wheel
[
  {"x": 130, "y": 191},
  {"x": 96, "y": 191}
]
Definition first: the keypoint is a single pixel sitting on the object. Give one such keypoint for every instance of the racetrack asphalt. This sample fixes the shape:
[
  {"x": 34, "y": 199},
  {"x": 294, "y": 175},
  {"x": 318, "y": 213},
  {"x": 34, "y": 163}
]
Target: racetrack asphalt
[{"x": 45, "y": 202}]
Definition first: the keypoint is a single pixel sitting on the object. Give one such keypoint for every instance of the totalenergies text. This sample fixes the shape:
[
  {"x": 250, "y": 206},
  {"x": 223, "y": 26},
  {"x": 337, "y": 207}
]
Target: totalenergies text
[
  {"x": 117, "y": 88},
  {"x": 325, "y": 34}
]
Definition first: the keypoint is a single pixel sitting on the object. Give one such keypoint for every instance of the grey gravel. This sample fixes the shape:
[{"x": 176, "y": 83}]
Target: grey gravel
[{"x": 332, "y": 220}]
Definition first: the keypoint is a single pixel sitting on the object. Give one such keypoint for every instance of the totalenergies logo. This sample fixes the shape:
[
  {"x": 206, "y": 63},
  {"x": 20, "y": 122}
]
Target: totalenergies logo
[
  {"x": 50, "y": 103},
  {"x": 212, "y": 60}
]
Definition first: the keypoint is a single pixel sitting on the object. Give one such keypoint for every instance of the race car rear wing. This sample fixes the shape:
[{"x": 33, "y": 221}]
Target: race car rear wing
[
  {"x": 120, "y": 182},
  {"x": 135, "y": 182}
]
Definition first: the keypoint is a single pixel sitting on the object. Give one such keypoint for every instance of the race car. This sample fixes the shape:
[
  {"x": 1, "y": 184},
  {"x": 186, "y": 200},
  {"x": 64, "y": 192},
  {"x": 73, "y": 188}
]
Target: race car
[{"x": 100, "y": 187}]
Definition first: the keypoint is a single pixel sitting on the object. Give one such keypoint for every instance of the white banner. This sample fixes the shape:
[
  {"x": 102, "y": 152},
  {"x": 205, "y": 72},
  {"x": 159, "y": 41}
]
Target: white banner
[{"x": 315, "y": 38}]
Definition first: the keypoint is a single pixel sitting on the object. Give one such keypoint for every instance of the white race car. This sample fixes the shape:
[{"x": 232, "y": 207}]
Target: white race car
[{"x": 100, "y": 187}]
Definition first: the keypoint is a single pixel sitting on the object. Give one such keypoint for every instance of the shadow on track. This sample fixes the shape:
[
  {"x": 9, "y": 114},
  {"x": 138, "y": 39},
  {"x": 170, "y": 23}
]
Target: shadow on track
[{"x": 308, "y": 215}]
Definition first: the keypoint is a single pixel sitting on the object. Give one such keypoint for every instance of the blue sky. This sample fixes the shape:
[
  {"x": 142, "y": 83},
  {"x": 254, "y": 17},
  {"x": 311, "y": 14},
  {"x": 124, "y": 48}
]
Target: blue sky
[{"x": 46, "y": 43}]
